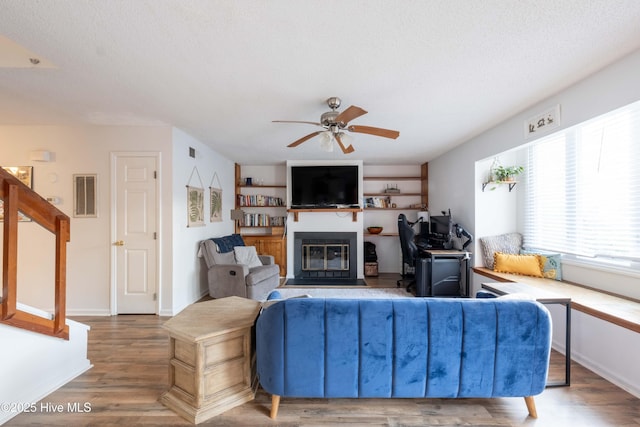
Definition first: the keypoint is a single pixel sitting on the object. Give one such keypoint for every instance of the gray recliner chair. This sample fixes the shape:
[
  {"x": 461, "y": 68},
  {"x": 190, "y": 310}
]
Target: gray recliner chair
[{"x": 228, "y": 278}]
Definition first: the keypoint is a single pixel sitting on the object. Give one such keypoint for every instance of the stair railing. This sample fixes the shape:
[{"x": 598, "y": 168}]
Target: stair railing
[{"x": 19, "y": 197}]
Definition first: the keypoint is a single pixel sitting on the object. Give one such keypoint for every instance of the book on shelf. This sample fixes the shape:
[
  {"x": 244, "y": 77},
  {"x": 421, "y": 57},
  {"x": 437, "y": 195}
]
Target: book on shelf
[
  {"x": 262, "y": 220},
  {"x": 259, "y": 200},
  {"x": 377, "y": 202}
]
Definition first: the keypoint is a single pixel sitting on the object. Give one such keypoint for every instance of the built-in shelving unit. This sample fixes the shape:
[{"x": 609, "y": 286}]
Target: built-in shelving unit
[
  {"x": 262, "y": 212},
  {"x": 265, "y": 217},
  {"x": 396, "y": 201}
]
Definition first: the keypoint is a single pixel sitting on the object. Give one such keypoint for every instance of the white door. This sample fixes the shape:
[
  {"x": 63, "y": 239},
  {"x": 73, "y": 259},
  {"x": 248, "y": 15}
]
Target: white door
[{"x": 135, "y": 228}]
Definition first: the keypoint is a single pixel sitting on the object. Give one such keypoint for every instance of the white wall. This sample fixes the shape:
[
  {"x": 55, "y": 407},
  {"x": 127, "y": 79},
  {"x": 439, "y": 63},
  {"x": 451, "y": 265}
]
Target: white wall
[
  {"x": 87, "y": 149},
  {"x": 455, "y": 182},
  {"x": 76, "y": 150},
  {"x": 189, "y": 275}
]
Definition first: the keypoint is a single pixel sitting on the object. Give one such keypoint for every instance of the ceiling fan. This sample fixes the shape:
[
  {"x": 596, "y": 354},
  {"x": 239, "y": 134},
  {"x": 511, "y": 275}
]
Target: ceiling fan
[{"x": 335, "y": 122}]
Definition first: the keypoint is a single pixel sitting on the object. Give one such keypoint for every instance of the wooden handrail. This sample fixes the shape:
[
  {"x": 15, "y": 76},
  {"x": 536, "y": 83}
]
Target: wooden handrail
[{"x": 19, "y": 197}]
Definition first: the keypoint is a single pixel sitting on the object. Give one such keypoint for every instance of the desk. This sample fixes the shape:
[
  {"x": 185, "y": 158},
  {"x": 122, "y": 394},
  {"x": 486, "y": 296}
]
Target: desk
[
  {"x": 543, "y": 297},
  {"x": 442, "y": 272}
]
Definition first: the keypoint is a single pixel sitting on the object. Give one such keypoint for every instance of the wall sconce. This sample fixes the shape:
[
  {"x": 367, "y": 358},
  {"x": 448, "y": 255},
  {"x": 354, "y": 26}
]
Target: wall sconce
[{"x": 40, "y": 156}]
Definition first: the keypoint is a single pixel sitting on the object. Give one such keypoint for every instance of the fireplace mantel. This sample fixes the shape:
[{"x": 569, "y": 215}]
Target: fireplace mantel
[{"x": 354, "y": 212}]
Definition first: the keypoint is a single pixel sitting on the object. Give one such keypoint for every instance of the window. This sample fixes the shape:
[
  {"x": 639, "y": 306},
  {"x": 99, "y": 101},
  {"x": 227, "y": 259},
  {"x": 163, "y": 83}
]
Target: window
[{"x": 583, "y": 185}]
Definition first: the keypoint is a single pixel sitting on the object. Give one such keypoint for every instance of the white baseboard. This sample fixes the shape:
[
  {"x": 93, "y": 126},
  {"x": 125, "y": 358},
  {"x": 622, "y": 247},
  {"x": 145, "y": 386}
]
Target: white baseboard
[
  {"x": 88, "y": 312},
  {"x": 167, "y": 312},
  {"x": 607, "y": 374}
]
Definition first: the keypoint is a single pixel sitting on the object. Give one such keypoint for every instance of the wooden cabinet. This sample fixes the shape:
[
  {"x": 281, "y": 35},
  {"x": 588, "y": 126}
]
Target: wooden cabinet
[
  {"x": 212, "y": 358},
  {"x": 275, "y": 245}
]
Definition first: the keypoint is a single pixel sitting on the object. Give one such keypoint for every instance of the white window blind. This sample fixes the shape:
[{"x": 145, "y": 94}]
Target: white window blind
[{"x": 583, "y": 186}]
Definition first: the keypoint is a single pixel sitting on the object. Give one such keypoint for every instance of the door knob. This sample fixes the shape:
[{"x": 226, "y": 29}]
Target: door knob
[{"x": 119, "y": 243}]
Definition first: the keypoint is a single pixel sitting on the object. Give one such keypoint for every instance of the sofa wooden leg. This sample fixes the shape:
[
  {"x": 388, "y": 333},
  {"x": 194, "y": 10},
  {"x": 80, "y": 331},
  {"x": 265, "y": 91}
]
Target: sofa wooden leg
[
  {"x": 531, "y": 406},
  {"x": 275, "y": 403}
]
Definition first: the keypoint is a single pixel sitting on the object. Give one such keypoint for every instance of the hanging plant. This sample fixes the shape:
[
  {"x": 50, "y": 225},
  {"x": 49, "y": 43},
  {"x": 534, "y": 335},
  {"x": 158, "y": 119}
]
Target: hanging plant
[{"x": 507, "y": 173}]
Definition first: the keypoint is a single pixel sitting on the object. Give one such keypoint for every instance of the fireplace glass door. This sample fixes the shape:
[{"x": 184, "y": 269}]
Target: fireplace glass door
[{"x": 325, "y": 257}]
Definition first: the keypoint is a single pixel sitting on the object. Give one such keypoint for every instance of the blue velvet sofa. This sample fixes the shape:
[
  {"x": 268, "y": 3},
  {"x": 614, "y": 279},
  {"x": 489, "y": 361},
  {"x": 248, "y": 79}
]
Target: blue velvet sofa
[{"x": 403, "y": 348}]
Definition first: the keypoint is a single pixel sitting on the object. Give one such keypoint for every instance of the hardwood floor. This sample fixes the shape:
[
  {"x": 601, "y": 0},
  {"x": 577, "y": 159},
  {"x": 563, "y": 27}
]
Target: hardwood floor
[{"x": 130, "y": 354}]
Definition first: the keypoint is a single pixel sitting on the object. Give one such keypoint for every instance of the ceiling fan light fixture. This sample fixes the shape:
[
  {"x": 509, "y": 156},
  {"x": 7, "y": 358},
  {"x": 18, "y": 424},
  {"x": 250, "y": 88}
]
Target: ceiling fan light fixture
[
  {"x": 346, "y": 138},
  {"x": 334, "y": 122},
  {"x": 326, "y": 141}
]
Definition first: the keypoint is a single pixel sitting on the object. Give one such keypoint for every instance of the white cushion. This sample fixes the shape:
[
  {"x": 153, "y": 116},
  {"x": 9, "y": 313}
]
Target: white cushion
[{"x": 247, "y": 255}]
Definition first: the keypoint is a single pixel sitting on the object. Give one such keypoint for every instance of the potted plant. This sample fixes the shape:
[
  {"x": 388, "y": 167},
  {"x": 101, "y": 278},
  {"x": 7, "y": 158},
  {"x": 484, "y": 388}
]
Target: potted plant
[{"x": 507, "y": 173}]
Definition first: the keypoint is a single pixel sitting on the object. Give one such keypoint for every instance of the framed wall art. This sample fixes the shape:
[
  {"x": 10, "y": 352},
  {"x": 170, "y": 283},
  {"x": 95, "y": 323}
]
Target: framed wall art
[
  {"x": 195, "y": 206},
  {"x": 195, "y": 201},
  {"x": 215, "y": 200},
  {"x": 542, "y": 123}
]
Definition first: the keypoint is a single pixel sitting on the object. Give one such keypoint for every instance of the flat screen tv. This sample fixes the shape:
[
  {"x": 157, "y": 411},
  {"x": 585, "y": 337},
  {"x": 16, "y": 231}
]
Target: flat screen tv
[{"x": 324, "y": 186}]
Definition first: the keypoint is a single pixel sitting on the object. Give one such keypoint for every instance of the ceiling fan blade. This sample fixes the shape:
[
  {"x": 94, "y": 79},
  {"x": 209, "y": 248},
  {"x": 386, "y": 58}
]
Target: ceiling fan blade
[
  {"x": 345, "y": 150},
  {"x": 304, "y": 138},
  {"x": 386, "y": 133},
  {"x": 349, "y": 114},
  {"x": 296, "y": 121}
]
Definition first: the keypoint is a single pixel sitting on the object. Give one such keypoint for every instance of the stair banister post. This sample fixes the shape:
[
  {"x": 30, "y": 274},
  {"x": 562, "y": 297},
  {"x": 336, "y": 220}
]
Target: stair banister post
[
  {"x": 10, "y": 251},
  {"x": 62, "y": 236}
]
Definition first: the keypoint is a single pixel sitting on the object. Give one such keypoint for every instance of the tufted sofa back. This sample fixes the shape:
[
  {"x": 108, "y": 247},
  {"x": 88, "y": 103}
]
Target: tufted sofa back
[{"x": 413, "y": 347}]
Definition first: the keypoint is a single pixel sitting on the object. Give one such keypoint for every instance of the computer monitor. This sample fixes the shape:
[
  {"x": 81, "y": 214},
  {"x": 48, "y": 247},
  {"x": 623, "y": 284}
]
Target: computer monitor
[{"x": 441, "y": 225}]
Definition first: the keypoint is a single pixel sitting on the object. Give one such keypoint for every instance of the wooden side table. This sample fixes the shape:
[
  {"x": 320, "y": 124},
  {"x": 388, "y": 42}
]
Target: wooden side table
[{"x": 212, "y": 358}]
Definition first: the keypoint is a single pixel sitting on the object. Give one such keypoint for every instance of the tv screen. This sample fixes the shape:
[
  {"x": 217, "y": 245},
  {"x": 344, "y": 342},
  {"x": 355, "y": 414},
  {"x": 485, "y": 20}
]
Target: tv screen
[{"x": 324, "y": 186}]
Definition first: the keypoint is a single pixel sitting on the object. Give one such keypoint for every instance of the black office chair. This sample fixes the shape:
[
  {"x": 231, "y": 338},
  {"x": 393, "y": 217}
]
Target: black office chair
[{"x": 409, "y": 250}]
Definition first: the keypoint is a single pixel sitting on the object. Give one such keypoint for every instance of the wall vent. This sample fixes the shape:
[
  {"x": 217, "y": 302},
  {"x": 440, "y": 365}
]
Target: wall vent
[{"x": 84, "y": 196}]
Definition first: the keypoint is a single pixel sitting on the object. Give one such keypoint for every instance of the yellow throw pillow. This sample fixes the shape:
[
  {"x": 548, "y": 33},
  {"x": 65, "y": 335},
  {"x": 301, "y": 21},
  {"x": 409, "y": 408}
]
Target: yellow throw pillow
[{"x": 527, "y": 265}]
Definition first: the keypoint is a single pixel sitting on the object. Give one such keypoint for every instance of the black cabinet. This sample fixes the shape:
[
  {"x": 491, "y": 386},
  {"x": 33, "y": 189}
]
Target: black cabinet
[{"x": 442, "y": 273}]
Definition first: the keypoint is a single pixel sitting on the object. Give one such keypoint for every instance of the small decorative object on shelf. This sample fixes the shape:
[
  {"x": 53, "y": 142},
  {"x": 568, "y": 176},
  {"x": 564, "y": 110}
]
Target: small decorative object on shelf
[
  {"x": 374, "y": 230},
  {"x": 492, "y": 170},
  {"x": 392, "y": 188},
  {"x": 503, "y": 175}
]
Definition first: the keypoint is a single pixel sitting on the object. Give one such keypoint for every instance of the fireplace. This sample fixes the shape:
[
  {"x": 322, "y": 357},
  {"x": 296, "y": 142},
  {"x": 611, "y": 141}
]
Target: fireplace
[{"x": 324, "y": 258}]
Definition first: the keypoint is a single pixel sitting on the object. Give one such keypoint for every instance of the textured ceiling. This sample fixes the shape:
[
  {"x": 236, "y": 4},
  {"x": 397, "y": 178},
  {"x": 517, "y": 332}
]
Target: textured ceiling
[{"x": 440, "y": 72}]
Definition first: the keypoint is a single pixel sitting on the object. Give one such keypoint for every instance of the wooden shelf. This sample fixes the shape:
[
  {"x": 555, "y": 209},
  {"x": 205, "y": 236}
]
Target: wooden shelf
[
  {"x": 391, "y": 178},
  {"x": 354, "y": 212},
  {"x": 392, "y": 209},
  {"x": 391, "y": 194},
  {"x": 261, "y": 186},
  {"x": 278, "y": 228},
  {"x": 381, "y": 234},
  {"x": 511, "y": 184},
  {"x": 260, "y": 206}
]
